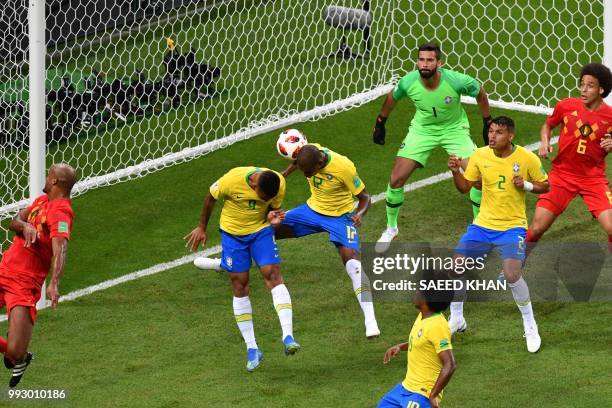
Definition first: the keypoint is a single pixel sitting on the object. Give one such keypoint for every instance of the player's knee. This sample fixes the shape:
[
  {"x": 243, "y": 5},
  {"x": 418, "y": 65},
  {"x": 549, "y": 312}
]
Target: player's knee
[
  {"x": 512, "y": 274},
  {"x": 397, "y": 180},
  {"x": 239, "y": 288},
  {"x": 273, "y": 277},
  {"x": 537, "y": 229}
]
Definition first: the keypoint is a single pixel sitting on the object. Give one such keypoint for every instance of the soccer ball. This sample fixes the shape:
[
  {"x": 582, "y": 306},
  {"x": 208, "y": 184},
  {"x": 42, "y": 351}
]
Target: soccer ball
[{"x": 290, "y": 142}]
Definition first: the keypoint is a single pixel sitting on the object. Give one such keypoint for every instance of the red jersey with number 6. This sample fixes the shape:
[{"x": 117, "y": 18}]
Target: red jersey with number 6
[
  {"x": 580, "y": 154},
  {"x": 51, "y": 219}
]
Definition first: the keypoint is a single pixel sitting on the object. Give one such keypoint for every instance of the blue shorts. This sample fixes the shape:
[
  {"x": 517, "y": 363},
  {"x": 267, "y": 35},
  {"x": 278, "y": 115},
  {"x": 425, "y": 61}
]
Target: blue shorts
[
  {"x": 237, "y": 250},
  {"x": 478, "y": 241},
  {"x": 400, "y": 397},
  {"x": 305, "y": 221}
]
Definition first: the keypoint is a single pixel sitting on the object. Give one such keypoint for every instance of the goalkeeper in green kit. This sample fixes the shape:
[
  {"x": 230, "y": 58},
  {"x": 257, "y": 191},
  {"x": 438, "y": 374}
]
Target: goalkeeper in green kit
[{"x": 439, "y": 121}]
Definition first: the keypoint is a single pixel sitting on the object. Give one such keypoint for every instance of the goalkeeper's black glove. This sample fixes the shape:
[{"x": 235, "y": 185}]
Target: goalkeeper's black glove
[
  {"x": 486, "y": 122},
  {"x": 379, "y": 130}
]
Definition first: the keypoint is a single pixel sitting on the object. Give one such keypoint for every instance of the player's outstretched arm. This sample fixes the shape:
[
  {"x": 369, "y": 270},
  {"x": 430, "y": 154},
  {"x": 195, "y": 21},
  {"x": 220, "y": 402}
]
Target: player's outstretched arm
[
  {"x": 199, "y": 234},
  {"x": 545, "y": 146},
  {"x": 378, "y": 136},
  {"x": 483, "y": 103},
  {"x": 461, "y": 183},
  {"x": 292, "y": 167},
  {"x": 448, "y": 368},
  {"x": 394, "y": 351},
  {"x": 60, "y": 248},
  {"x": 362, "y": 207},
  {"x": 21, "y": 226}
]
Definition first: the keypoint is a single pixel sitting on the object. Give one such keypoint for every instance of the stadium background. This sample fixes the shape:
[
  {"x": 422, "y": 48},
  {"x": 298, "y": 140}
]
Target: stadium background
[{"x": 170, "y": 339}]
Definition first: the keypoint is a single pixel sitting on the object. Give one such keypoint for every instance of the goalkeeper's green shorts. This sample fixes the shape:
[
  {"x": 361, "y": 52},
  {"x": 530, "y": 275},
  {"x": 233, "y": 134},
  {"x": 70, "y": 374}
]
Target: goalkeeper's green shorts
[{"x": 418, "y": 146}]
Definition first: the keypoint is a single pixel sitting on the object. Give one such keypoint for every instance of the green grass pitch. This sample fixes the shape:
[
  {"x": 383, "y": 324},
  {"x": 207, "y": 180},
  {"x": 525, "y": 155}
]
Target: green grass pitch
[{"x": 170, "y": 340}]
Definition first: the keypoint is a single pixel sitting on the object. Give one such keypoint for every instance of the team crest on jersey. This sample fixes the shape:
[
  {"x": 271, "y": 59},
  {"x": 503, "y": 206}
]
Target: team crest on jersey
[
  {"x": 329, "y": 177},
  {"x": 448, "y": 100},
  {"x": 402, "y": 145},
  {"x": 229, "y": 261},
  {"x": 585, "y": 130},
  {"x": 420, "y": 333},
  {"x": 516, "y": 167}
]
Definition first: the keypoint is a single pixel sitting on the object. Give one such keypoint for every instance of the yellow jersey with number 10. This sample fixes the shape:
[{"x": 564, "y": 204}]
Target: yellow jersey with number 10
[{"x": 428, "y": 338}]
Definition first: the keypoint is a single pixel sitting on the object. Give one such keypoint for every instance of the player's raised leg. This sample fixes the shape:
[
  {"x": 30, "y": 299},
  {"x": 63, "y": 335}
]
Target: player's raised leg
[{"x": 361, "y": 288}]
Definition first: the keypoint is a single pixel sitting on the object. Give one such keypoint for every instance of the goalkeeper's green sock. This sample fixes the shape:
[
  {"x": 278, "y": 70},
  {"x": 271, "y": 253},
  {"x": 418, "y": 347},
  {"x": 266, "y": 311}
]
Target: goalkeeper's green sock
[
  {"x": 475, "y": 198},
  {"x": 395, "y": 198}
]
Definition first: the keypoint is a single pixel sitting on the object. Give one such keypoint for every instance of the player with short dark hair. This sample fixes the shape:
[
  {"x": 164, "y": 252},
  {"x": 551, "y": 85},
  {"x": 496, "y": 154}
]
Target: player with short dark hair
[
  {"x": 430, "y": 359},
  {"x": 334, "y": 183},
  {"x": 40, "y": 245},
  {"x": 508, "y": 172},
  {"x": 585, "y": 139},
  {"x": 252, "y": 198},
  {"x": 440, "y": 120}
]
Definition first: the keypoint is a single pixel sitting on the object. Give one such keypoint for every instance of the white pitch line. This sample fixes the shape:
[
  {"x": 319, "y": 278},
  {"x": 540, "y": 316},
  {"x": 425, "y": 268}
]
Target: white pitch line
[{"x": 217, "y": 249}]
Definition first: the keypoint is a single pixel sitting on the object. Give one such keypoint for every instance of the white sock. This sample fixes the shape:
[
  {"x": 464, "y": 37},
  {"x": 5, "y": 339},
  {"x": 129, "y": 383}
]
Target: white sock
[
  {"x": 456, "y": 309},
  {"x": 361, "y": 284},
  {"x": 520, "y": 292},
  {"x": 284, "y": 309},
  {"x": 244, "y": 318}
]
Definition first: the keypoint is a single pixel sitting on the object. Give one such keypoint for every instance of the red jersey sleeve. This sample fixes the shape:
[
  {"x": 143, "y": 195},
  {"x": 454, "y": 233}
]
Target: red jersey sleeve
[
  {"x": 558, "y": 112},
  {"x": 59, "y": 221}
]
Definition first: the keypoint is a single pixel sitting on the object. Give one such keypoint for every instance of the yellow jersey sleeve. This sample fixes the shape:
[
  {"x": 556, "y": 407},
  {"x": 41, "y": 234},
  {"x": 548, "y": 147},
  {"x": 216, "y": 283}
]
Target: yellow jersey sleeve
[
  {"x": 219, "y": 188},
  {"x": 352, "y": 180},
  {"x": 440, "y": 336},
  {"x": 472, "y": 172},
  {"x": 536, "y": 170},
  {"x": 278, "y": 200}
]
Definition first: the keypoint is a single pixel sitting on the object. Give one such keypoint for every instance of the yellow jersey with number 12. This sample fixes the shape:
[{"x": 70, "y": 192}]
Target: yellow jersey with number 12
[
  {"x": 333, "y": 187},
  {"x": 243, "y": 211}
]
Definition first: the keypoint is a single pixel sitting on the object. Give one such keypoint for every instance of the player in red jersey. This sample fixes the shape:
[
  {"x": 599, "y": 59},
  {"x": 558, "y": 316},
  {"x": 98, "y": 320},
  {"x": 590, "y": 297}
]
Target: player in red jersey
[
  {"x": 580, "y": 165},
  {"x": 41, "y": 241}
]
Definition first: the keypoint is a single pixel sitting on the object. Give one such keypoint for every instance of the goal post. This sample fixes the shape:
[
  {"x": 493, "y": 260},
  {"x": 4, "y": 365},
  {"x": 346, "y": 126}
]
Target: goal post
[{"x": 130, "y": 87}]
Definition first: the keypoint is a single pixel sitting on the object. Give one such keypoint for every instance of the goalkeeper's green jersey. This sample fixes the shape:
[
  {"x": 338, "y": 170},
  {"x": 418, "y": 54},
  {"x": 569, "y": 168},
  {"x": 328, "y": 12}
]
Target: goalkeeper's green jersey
[{"x": 437, "y": 110}]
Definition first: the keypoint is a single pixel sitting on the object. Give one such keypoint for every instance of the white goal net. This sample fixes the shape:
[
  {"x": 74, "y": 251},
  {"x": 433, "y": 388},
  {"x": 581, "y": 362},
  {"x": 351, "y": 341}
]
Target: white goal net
[{"x": 136, "y": 85}]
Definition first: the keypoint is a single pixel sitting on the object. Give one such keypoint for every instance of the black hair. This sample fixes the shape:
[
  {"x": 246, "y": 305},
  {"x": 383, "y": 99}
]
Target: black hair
[
  {"x": 308, "y": 157},
  {"x": 431, "y": 46},
  {"x": 504, "y": 121},
  {"x": 269, "y": 183},
  {"x": 603, "y": 75},
  {"x": 437, "y": 300}
]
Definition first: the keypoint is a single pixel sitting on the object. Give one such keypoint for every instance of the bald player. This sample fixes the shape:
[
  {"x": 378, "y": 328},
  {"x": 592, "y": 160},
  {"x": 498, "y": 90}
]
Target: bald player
[{"x": 40, "y": 245}]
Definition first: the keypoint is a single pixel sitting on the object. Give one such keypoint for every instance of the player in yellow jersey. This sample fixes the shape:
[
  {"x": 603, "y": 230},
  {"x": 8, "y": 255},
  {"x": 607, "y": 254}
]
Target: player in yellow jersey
[
  {"x": 508, "y": 172},
  {"x": 431, "y": 362},
  {"x": 251, "y": 206},
  {"x": 333, "y": 181}
]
